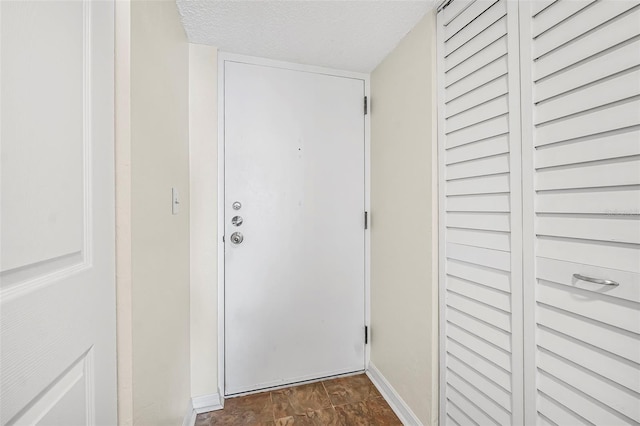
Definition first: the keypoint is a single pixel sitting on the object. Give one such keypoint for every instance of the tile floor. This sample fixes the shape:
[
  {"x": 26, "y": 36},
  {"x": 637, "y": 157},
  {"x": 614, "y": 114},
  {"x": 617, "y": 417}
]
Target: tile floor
[{"x": 345, "y": 401}]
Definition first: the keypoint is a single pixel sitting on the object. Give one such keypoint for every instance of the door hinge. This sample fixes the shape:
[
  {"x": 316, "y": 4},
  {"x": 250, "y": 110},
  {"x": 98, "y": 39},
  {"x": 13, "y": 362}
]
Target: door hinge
[
  {"x": 366, "y": 220},
  {"x": 365, "y": 106},
  {"x": 366, "y": 334}
]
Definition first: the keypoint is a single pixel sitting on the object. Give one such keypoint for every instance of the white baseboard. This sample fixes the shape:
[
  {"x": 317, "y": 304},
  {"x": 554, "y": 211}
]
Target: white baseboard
[
  {"x": 397, "y": 404},
  {"x": 190, "y": 416},
  {"x": 201, "y": 404},
  {"x": 206, "y": 403}
]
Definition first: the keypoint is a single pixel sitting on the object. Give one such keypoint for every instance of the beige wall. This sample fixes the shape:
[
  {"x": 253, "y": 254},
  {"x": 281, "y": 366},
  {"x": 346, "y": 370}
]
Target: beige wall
[
  {"x": 153, "y": 244},
  {"x": 167, "y": 331},
  {"x": 123, "y": 211},
  {"x": 404, "y": 231},
  {"x": 203, "y": 146}
]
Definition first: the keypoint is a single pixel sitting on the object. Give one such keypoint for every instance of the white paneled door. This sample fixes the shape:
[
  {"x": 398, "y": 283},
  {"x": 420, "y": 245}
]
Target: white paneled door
[
  {"x": 294, "y": 225},
  {"x": 540, "y": 270},
  {"x": 57, "y": 294}
]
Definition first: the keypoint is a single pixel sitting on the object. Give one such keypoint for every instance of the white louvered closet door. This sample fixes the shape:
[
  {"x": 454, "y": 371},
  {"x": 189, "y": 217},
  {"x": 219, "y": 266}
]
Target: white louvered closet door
[
  {"x": 581, "y": 169},
  {"x": 480, "y": 201}
]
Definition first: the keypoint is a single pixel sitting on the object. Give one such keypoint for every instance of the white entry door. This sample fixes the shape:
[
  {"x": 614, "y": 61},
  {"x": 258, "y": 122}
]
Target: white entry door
[
  {"x": 57, "y": 293},
  {"x": 294, "y": 187}
]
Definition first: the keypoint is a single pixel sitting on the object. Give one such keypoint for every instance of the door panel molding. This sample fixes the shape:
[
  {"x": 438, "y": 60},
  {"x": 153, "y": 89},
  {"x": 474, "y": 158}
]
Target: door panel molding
[
  {"x": 21, "y": 279},
  {"x": 77, "y": 378}
]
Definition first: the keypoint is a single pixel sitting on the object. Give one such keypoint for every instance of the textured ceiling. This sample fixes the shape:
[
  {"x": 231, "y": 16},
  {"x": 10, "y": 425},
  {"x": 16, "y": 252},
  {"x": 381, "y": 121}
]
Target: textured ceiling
[{"x": 346, "y": 35}]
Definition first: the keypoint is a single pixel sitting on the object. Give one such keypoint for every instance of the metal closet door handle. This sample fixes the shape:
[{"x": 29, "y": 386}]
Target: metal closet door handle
[{"x": 595, "y": 280}]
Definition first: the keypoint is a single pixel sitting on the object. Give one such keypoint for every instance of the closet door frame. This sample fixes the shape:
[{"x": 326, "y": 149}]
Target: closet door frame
[
  {"x": 528, "y": 217},
  {"x": 517, "y": 227},
  {"x": 442, "y": 339}
]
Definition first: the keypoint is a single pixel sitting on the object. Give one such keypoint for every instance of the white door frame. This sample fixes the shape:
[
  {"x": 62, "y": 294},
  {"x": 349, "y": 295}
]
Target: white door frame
[{"x": 230, "y": 57}]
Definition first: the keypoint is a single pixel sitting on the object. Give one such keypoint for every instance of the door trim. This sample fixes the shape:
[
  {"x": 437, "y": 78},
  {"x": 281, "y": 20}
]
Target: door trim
[{"x": 224, "y": 57}]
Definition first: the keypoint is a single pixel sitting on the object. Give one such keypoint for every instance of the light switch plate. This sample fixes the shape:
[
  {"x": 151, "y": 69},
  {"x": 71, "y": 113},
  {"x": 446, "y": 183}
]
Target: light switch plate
[{"x": 175, "y": 201}]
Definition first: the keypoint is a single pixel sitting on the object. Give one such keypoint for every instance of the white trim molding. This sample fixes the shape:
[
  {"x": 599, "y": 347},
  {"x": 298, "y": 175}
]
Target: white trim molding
[
  {"x": 206, "y": 403},
  {"x": 395, "y": 401},
  {"x": 190, "y": 416},
  {"x": 201, "y": 404}
]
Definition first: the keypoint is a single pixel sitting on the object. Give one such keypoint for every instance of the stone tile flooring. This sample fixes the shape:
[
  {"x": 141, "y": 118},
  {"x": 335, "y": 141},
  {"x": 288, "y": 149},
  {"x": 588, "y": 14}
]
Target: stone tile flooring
[{"x": 345, "y": 401}]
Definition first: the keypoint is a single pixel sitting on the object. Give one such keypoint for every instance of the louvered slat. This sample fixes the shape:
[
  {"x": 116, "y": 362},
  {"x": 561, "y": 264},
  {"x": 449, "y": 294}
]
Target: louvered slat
[
  {"x": 604, "y": 147},
  {"x": 600, "y": 307},
  {"x": 593, "y": 122},
  {"x": 490, "y": 109},
  {"x": 489, "y": 35},
  {"x": 592, "y": 358},
  {"x": 494, "y": 183},
  {"x": 479, "y": 149},
  {"x": 485, "y": 294},
  {"x": 592, "y": 174},
  {"x": 495, "y": 12},
  {"x": 591, "y": 252},
  {"x": 454, "y": 9},
  {"x": 557, "y": 13},
  {"x": 469, "y": 414},
  {"x": 496, "y": 85},
  {"x": 610, "y": 62},
  {"x": 497, "y": 394},
  {"x": 573, "y": 399},
  {"x": 551, "y": 411},
  {"x": 484, "y": 130},
  {"x": 488, "y": 369},
  {"x": 481, "y": 167},
  {"x": 620, "y": 87},
  {"x": 597, "y": 42},
  {"x": 540, "y": 5},
  {"x": 622, "y": 229},
  {"x": 478, "y": 256},
  {"x": 478, "y": 203},
  {"x": 487, "y": 221},
  {"x": 619, "y": 401},
  {"x": 480, "y": 238},
  {"x": 492, "y": 316},
  {"x": 480, "y": 274},
  {"x": 589, "y": 18},
  {"x": 611, "y": 339},
  {"x": 486, "y": 56},
  {"x": 476, "y": 335},
  {"x": 608, "y": 201},
  {"x": 466, "y": 17},
  {"x": 496, "y": 413}
]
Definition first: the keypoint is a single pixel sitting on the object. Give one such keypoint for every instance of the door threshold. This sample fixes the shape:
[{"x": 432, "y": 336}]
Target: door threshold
[{"x": 294, "y": 384}]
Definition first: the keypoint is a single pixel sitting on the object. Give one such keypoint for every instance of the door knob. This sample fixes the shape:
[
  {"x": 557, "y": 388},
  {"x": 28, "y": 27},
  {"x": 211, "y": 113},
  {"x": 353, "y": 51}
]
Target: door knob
[{"x": 236, "y": 238}]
